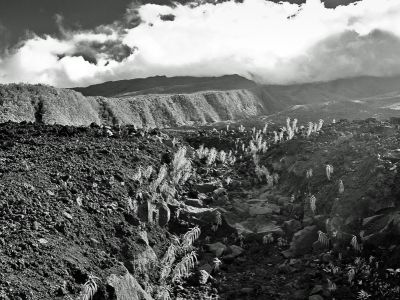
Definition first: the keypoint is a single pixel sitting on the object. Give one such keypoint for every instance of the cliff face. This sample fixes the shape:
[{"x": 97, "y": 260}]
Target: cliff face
[{"x": 60, "y": 106}]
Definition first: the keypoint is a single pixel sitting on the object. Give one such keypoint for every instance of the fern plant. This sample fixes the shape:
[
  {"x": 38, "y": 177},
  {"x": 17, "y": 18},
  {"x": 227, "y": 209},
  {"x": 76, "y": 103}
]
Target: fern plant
[
  {"x": 320, "y": 123},
  {"x": 323, "y": 239},
  {"x": 363, "y": 295},
  {"x": 329, "y": 171},
  {"x": 341, "y": 187},
  {"x": 331, "y": 286},
  {"x": 309, "y": 173},
  {"x": 164, "y": 292},
  {"x": 351, "y": 274},
  {"x": 354, "y": 243},
  {"x": 313, "y": 203},
  {"x": 137, "y": 176},
  {"x": 264, "y": 131},
  {"x": 190, "y": 236},
  {"x": 181, "y": 167},
  {"x": 182, "y": 269},
  {"x": 89, "y": 288},
  {"x": 204, "y": 276},
  {"x": 212, "y": 155},
  {"x": 222, "y": 156},
  {"x": 268, "y": 239},
  {"x": 148, "y": 172},
  {"x": 216, "y": 264}
]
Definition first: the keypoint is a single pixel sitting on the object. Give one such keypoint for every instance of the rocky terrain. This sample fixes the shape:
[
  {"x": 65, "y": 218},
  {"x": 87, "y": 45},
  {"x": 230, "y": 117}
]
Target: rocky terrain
[
  {"x": 182, "y": 188},
  {"x": 294, "y": 211}
]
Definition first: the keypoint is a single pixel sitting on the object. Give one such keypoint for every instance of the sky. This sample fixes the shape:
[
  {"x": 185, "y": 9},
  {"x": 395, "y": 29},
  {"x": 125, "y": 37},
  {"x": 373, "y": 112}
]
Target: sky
[{"x": 79, "y": 43}]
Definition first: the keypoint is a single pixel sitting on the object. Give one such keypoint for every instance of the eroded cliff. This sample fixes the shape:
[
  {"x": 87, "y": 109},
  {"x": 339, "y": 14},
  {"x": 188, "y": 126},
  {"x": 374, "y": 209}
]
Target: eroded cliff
[{"x": 38, "y": 103}]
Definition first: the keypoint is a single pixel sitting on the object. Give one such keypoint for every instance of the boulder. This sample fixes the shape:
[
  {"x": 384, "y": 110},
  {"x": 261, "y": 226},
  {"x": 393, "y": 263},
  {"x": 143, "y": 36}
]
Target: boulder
[
  {"x": 208, "y": 187},
  {"x": 263, "y": 229},
  {"x": 262, "y": 208},
  {"x": 241, "y": 228},
  {"x": 206, "y": 267},
  {"x": 240, "y": 206},
  {"x": 217, "y": 248},
  {"x": 164, "y": 214},
  {"x": 126, "y": 287},
  {"x": 315, "y": 297},
  {"x": 291, "y": 226},
  {"x": 198, "y": 215},
  {"x": 317, "y": 289},
  {"x": 194, "y": 202},
  {"x": 220, "y": 196},
  {"x": 302, "y": 242},
  {"x": 233, "y": 251},
  {"x": 299, "y": 295}
]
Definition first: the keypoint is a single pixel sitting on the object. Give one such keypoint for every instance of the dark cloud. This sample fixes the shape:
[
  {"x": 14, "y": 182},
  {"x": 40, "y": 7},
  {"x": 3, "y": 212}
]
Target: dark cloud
[
  {"x": 112, "y": 50},
  {"x": 19, "y": 16},
  {"x": 168, "y": 17}
]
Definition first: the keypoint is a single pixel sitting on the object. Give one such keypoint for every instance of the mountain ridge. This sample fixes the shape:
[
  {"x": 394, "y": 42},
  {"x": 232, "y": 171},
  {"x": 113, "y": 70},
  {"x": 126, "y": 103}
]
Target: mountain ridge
[
  {"x": 346, "y": 87},
  {"x": 170, "y": 102}
]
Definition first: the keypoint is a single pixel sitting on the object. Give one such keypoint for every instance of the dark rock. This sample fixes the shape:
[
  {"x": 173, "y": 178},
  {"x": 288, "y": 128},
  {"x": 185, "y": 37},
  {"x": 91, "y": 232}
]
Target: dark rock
[
  {"x": 299, "y": 295},
  {"x": 164, "y": 214},
  {"x": 291, "y": 227},
  {"x": 207, "y": 187},
  {"x": 217, "y": 248},
  {"x": 247, "y": 291},
  {"x": 194, "y": 202},
  {"x": 303, "y": 240},
  {"x": 232, "y": 252}
]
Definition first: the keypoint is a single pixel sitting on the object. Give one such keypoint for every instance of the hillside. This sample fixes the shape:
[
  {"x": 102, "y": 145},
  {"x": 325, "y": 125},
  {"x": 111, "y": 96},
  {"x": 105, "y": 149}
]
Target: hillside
[
  {"x": 353, "y": 98},
  {"x": 38, "y": 103},
  {"x": 166, "y": 85},
  {"x": 341, "y": 89},
  {"x": 170, "y": 102}
]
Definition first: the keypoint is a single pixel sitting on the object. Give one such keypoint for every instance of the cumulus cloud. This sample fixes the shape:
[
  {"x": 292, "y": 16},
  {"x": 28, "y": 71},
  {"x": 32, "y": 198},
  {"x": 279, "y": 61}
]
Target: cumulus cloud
[{"x": 271, "y": 42}]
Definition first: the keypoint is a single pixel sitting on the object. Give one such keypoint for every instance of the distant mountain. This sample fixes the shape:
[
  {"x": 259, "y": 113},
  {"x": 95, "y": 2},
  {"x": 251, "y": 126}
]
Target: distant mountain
[
  {"x": 161, "y": 85},
  {"x": 166, "y": 85},
  {"x": 273, "y": 98}
]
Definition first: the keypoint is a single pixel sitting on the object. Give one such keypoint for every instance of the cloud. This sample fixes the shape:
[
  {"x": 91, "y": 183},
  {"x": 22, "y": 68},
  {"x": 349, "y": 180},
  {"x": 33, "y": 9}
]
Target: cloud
[{"x": 271, "y": 42}]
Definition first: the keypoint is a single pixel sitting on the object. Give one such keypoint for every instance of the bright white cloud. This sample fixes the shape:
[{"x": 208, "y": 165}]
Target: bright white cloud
[{"x": 275, "y": 43}]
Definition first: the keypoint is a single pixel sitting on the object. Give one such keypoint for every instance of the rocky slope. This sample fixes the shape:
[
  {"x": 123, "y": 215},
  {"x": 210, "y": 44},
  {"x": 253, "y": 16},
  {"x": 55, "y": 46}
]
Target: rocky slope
[
  {"x": 61, "y": 106},
  {"x": 76, "y": 214},
  {"x": 64, "y": 210}
]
